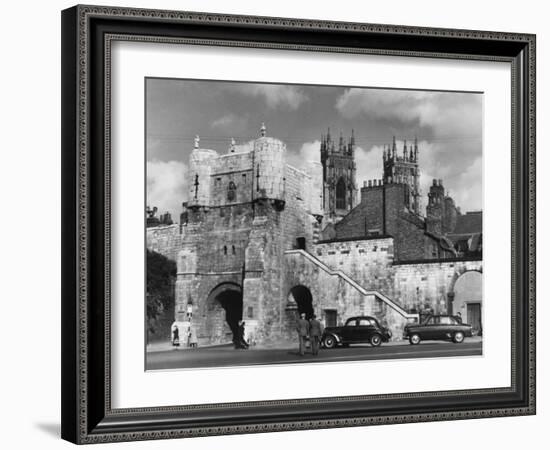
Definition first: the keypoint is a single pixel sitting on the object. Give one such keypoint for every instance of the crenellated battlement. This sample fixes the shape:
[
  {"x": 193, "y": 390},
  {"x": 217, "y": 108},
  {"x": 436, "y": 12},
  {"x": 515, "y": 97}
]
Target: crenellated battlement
[{"x": 260, "y": 173}]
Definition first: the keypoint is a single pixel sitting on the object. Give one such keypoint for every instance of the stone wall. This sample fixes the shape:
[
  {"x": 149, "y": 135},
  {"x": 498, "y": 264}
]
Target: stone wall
[
  {"x": 165, "y": 240},
  {"x": 332, "y": 290},
  {"x": 233, "y": 168},
  {"x": 417, "y": 288},
  {"x": 427, "y": 286}
]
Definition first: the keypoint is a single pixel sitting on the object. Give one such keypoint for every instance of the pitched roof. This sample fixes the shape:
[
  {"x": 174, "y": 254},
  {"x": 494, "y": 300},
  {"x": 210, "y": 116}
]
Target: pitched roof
[{"x": 469, "y": 223}]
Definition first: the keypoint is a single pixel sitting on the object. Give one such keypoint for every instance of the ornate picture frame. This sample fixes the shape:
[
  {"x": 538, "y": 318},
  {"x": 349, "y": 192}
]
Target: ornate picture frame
[{"x": 88, "y": 33}]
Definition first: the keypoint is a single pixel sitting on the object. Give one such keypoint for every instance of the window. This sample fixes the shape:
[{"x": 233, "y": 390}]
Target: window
[
  {"x": 341, "y": 194},
  {"x": 365, "y": 322},
  {"x": 351, "y": 323},
  {"x": 446, "y": 320},
  {"x": 225, "y": 249},
  {"x": 233, "y": 249},
  {"x": 231, "y": 191}
]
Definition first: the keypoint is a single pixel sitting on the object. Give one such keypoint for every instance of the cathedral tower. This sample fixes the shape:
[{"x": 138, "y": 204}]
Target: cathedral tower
[
  {"x": 403, "y": 169},
  {"x": 340, "y": 190}
]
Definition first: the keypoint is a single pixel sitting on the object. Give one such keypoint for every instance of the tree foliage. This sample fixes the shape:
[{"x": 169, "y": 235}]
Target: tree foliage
[{"x": 161, "y": 275}]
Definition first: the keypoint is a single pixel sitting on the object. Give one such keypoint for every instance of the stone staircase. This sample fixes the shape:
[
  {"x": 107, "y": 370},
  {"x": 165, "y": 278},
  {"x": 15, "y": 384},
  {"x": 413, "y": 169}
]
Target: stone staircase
[{"x": 367, "y": 293}]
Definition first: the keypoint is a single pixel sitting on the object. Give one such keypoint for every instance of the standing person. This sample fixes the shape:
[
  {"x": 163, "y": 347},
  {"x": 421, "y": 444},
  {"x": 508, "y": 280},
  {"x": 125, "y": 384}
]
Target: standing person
[
  {"x": 175, "y": 336},
  {"x": 315, "y": 333},
  {"x": 192, "y": 337},
  {"x": 302, "y": 327},
  {"x": 236, "y": 329},
  {"x": 242, "y": 341}
]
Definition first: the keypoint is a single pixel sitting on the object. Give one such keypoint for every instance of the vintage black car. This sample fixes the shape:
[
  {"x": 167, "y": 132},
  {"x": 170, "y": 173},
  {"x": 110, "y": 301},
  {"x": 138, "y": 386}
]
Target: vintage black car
[
  {"x": 440, "y": 327},
  {"x": 356, "y": 330}
]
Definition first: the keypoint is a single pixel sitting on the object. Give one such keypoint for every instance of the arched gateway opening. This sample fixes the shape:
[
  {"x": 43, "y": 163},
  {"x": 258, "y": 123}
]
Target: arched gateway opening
[
  {"x": 301, "y": 295},
  {"x": 223, "y": 312},
  {"x": 468, "y": 299}
]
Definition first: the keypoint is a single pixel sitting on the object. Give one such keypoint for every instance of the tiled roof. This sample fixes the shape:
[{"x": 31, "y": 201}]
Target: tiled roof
[{"x": 469, "y": 223}]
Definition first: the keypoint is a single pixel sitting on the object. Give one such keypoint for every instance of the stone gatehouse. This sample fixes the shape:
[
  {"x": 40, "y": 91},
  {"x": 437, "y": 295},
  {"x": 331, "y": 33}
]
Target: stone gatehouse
[{"x": 255, "y": 242}]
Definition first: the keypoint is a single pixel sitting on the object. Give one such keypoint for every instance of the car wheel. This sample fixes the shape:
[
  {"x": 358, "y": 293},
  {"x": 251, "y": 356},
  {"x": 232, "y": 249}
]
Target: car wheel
[
  {"x": 458, "y": 337},
  {"x": 329, "y": 342},
  {"x": 375, "y": 340},
  {"x": 414, "y": 339}
]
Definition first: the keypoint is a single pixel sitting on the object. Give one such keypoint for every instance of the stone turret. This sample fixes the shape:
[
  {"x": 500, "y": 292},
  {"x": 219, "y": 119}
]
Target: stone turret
[
  {"x": 200, "y": 168},
  {"x": 269, "y": 165}
]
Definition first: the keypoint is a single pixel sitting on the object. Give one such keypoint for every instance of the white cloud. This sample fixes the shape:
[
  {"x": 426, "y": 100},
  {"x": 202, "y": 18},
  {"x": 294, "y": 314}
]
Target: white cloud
[
  {"x": 230, "y": 122},
  {"x": 471, "y": 192},
  {"x": 448, "y": 114},
  {"x": 167, "y": 186},
  {"x": 368, "y": 164},
  {"x": 309, "y": 151},
  {"x": 382, "y": 104},
  {"x": 276, "y": 95}
]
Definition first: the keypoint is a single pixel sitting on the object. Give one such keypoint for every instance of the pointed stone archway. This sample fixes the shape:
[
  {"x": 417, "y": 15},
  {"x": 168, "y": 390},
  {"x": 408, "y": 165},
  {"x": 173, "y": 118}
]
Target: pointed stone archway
[
  {"x": 224, "y": 309},
  {"x": 301, "y": 296}
]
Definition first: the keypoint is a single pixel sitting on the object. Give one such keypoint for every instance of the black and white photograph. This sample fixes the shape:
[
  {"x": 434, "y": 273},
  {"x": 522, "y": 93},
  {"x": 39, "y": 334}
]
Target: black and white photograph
[{"x": 291, "y": 224}]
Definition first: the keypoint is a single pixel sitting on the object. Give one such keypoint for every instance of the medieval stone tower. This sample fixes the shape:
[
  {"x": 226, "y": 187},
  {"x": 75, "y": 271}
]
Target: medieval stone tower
[
  {"x": 441, "y": 212},
  {"x": 340, "y": 189},
  {"x": 404, "y": 169}
]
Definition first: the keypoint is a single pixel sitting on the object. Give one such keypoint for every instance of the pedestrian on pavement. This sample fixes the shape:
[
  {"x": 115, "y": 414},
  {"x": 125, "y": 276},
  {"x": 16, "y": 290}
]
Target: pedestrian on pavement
[
  {"x": 315, "y": 333},
  {"x": 459, "y": 317},
  {"x": 242, "y": 341},
  {"x": 236, "y": 329},
  {"x": 302, "y": 327},
  {"x": 193, "y": 341},
  {"x": 175, "y": 337}
]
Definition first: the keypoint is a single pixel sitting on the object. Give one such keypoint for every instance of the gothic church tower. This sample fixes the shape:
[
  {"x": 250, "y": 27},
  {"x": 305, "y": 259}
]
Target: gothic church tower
[
  {"x": 340, "y": 190},
  {"x": 403, "y": 169}
]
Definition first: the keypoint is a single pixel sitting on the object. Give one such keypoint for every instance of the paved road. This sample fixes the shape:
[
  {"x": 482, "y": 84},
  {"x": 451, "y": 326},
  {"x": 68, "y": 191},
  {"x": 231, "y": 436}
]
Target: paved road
[{"x": 227, "y": 356}]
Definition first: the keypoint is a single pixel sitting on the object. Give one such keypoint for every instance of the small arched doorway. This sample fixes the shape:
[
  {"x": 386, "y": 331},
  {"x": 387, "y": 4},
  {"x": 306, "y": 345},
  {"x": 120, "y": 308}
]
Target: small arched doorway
[
  {"x": 224, "y": 310},
  {"x": 468, "y": 299},
  {"x": 301, "y": 296}
]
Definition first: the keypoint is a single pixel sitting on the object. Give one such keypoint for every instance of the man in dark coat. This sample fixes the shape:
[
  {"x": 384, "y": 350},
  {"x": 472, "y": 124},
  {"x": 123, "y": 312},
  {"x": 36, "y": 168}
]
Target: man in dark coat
[
  {"x": 175, "y": 337},
  {"x": 315, "y": 333},
  {"x": 302, "y": 327}
]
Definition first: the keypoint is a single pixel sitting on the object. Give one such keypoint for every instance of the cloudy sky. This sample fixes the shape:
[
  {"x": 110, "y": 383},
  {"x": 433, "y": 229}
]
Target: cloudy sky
[{"x": 448, "y": 126}]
